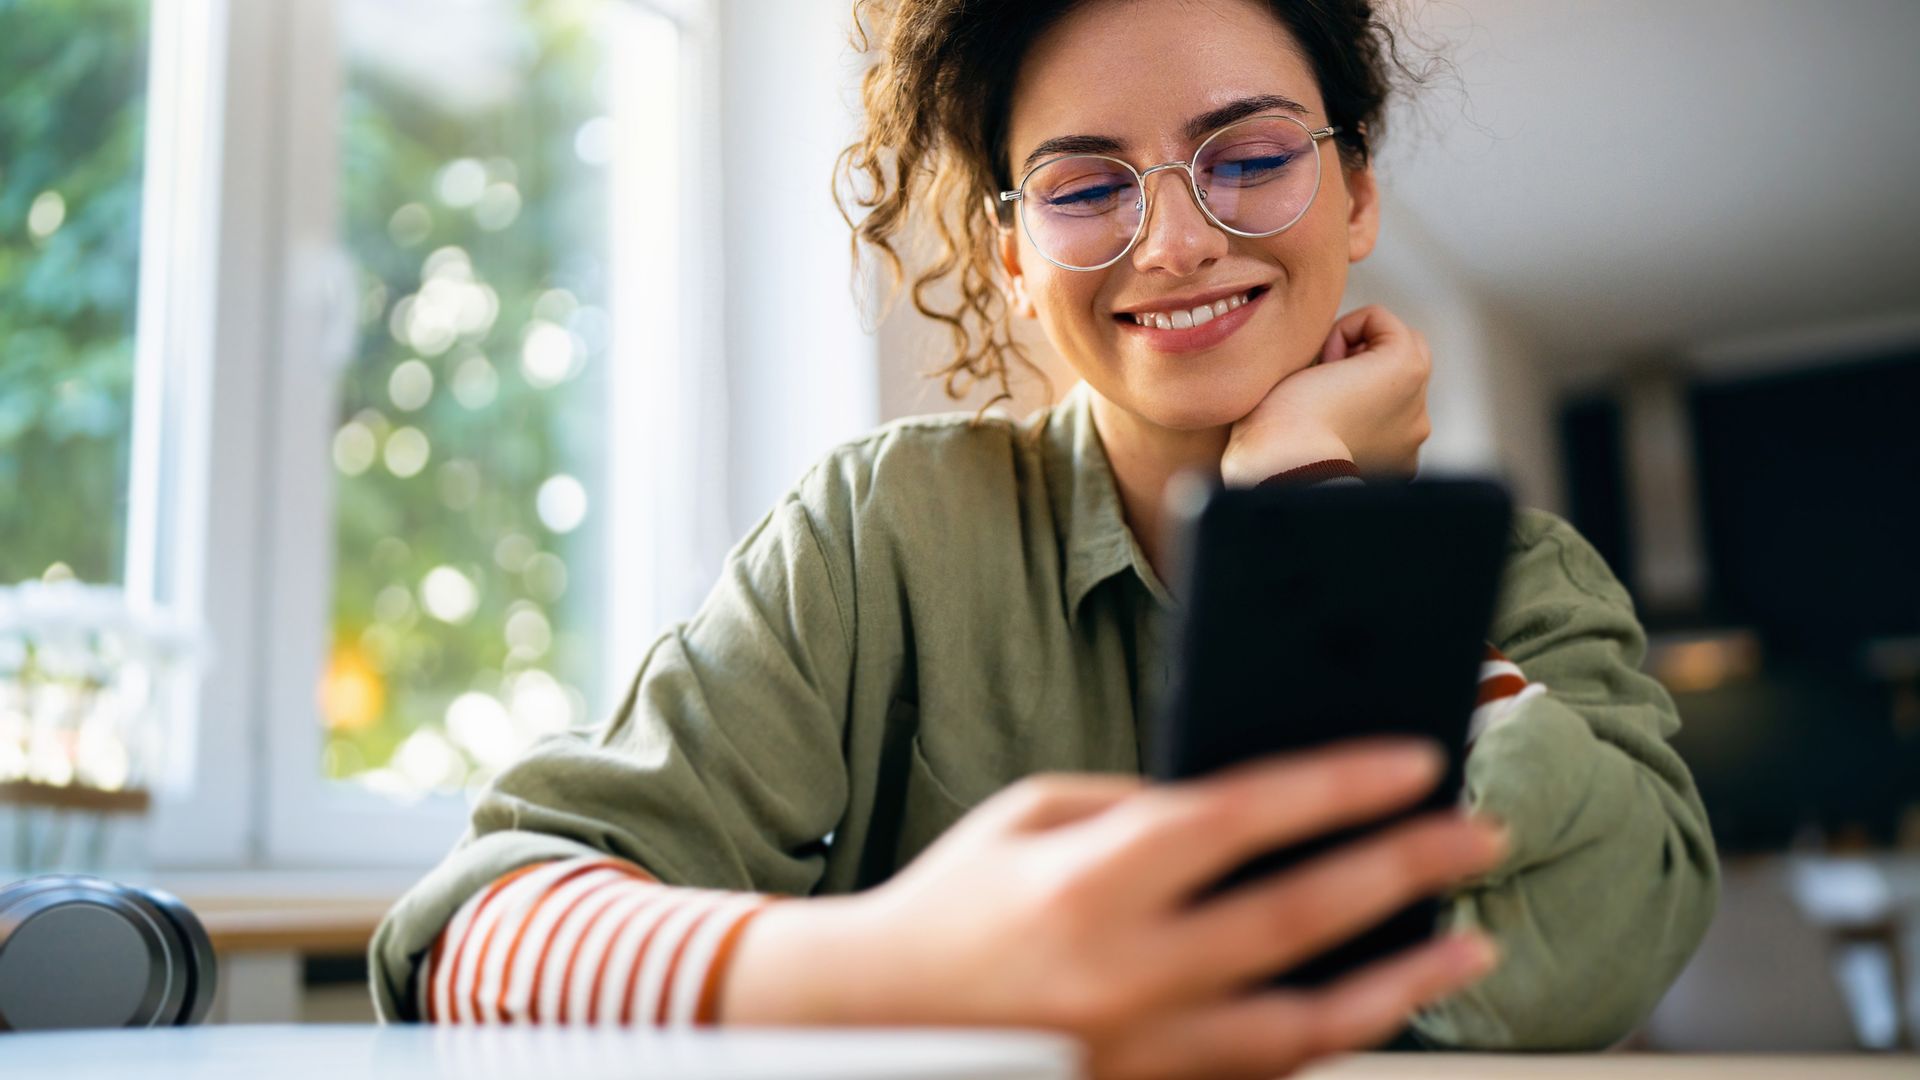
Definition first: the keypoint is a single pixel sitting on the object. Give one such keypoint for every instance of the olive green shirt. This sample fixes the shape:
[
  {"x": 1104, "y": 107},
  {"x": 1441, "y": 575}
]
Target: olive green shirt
[{"x": 945, "y": 606}]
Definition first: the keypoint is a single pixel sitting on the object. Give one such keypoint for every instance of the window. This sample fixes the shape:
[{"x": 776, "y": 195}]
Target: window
[
  {"x": 485, "y": 390},
  {"x": 426, "y": 370},
  {"x": 72, "y": 121},
  {"x": 475, "y": 146}
]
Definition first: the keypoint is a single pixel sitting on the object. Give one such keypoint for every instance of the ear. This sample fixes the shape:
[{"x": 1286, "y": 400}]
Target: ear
[
  {"x": 1018, "y": 302},
  {"x": 1363, "y": 212}
]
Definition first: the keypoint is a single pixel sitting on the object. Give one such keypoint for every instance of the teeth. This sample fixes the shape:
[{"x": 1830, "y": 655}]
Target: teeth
[{"x": 1188, "y": 319}]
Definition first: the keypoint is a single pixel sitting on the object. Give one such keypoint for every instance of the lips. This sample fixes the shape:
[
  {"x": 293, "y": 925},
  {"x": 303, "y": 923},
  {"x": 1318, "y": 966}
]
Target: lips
[
  {"x": 1184, "y": 329},
  {"x": 1187, "y": 312}
]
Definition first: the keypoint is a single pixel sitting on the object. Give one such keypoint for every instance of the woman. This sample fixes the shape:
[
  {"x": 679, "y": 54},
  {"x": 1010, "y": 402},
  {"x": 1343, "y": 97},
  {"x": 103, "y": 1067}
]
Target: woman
[{"x": 951, "y": 605}]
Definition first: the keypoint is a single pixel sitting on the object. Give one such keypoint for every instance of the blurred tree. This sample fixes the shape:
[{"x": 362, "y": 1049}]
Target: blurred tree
[
  {"x": 72, "y": 108},
  {"x": 479, "y": 225},
  {"x": 473, "y": 199}
]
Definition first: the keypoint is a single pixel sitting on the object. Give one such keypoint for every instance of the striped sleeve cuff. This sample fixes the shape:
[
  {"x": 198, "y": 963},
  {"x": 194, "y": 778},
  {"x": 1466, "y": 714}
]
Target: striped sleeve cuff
[
  {"x": 591, "y": 940},
  {"x": 1503, "y": 689},
  {"x": 1329, "y": 472}
]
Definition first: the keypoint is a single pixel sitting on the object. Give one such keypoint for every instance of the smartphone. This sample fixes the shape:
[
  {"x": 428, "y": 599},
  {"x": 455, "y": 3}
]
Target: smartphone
[{"x": 1317, "y": 615}]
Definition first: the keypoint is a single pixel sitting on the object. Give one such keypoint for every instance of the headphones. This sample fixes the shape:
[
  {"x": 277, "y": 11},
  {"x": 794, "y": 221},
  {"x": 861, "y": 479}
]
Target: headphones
[{"x": 78, "y": 952}]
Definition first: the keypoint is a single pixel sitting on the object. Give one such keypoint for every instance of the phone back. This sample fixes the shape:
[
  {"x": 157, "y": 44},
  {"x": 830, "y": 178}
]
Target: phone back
[{"x": 1323, "y": 614}]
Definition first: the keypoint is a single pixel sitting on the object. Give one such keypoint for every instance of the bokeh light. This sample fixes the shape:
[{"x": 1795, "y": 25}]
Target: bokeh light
[
  {"x": 46, "y": 215},
  {"x": 406, "y": 452},
  {"x": 449, "y": 595},
  {"x": 475, "y": 383},
  {"x": 562, "y": 503},
  {"x": 461, "y": 182},
  {"x": 546, "y": 354},
  {"x": 354, "y": 448},
  {"x": 410, "y": 386}
]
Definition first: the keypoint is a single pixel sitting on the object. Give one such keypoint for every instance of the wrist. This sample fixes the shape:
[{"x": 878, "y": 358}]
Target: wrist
[
  {"x": 1248, "y": 466},
  {"x": 1315, "y": 473},
  {"x": 798, "y": 963}
]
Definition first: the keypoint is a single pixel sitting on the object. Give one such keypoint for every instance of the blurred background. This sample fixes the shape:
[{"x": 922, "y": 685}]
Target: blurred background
[{"x": 378, "y": 376}]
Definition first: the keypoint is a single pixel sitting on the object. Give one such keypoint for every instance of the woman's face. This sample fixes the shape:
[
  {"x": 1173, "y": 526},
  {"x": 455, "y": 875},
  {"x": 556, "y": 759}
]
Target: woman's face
[{"x": 1139, "y": 73}]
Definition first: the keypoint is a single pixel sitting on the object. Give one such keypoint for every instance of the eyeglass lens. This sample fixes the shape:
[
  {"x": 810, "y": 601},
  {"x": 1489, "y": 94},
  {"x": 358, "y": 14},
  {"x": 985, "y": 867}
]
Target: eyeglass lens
[{"x": 1256, "y": 176}]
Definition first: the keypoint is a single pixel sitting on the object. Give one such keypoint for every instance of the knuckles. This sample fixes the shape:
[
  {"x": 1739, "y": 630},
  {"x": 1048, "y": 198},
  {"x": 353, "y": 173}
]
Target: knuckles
[{"x": 1032, "y": 797}]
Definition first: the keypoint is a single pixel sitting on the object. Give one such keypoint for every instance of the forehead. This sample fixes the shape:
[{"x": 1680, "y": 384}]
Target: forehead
[{"x": 1138, "y": 70}]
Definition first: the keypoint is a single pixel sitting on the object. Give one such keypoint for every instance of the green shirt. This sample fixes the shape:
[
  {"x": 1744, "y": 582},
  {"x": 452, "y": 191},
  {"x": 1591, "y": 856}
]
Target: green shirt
[{"x": 945, "y": 606}]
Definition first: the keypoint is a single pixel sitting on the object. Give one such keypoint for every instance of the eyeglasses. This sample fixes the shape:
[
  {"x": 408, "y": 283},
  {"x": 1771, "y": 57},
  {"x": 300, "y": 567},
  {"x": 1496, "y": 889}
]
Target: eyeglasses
[{"x": 1253, "y": 178}]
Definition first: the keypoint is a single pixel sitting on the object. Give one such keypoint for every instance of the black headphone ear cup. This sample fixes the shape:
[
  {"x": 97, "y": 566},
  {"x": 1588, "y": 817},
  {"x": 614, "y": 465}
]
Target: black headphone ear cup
[
  {"x": 77, "y": 951},
  {"x": 203, "y": 967},
  {"x": 178, "y": 955}
]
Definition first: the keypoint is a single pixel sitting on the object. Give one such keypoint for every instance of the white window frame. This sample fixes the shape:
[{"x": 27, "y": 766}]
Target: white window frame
[
  {"x": 196, "y": 484},
  {"x": 245, "y": 319}
]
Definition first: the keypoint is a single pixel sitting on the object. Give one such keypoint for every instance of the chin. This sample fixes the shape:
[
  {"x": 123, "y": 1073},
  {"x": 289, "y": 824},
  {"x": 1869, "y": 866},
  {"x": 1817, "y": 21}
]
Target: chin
[{"x": 1200, "y": 401}]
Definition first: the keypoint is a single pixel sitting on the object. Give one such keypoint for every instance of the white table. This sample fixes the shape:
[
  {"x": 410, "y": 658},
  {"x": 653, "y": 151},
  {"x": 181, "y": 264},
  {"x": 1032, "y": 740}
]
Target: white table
[
  {"x": 276, "y": 1052},
  {"x": 413, "y": 1053},
  {"x": 1617, "y": 1067}
]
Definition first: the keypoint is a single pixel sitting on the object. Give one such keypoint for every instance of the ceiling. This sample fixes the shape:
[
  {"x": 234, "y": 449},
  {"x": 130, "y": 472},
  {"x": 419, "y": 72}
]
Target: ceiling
[{"x": 1645, "y": 177}]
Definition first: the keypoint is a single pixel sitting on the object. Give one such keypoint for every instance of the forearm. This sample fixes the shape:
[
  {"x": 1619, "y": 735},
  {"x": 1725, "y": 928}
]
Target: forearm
[
  {"x": 1610, "y": 887},
  {"x": 584, "y": 941},
  {"x": 801, "y": 963}
]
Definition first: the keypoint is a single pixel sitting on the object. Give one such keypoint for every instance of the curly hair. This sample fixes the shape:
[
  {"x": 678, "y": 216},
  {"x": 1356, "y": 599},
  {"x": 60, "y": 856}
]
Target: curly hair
[{"x": 933, "y": 144}]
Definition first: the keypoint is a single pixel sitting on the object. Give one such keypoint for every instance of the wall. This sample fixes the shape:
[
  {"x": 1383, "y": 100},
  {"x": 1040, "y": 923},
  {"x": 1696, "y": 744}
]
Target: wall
[
  {"x": 801, "y": 370},
  {"x": 1492, "y": 398}
]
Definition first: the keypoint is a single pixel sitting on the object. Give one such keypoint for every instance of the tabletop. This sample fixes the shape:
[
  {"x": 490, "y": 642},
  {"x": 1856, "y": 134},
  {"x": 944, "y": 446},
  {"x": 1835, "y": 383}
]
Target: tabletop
[
  {"x": 1617, "y": 1067},
  {"x": 390, "y": 1053},
  {"x": 293, "y": 1052}
]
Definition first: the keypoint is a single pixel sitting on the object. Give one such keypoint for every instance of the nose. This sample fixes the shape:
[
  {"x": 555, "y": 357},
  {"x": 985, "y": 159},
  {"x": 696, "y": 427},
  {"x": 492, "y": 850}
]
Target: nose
[{"x": 1178, "y": 238}]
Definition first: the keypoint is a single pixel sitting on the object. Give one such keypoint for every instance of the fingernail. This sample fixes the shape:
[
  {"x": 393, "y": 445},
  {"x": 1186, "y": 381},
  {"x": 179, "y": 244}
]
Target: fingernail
[
  {"x": 1475, "y": 953},
  {"x": 1420, "y": 758}
]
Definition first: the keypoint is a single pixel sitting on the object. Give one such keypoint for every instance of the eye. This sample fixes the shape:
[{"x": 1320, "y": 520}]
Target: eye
[
  {"x": 1080, "y": 187},
  {"x": 1243, "y": 169},
  {"x": 1086, "y": 195}
]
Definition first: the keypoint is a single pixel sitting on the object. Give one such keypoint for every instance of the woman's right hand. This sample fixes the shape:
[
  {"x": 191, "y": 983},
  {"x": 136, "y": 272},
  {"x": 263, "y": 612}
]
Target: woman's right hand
[{"x": 1067, "y": 902}]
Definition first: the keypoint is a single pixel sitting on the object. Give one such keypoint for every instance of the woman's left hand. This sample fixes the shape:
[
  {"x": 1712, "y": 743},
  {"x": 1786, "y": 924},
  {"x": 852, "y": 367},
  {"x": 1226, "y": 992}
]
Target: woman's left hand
[{"x": 1363, "y": 399}]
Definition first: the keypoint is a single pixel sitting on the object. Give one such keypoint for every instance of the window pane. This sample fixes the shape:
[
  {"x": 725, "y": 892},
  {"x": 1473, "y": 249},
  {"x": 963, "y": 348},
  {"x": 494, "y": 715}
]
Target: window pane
[
  {"x": 72, "y": 108},
  {"x": 475, "y": 141}
]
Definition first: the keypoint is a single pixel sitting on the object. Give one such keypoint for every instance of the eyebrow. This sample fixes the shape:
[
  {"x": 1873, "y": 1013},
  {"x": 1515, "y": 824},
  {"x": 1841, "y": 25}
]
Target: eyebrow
[{"x": 1208, "y": 121}]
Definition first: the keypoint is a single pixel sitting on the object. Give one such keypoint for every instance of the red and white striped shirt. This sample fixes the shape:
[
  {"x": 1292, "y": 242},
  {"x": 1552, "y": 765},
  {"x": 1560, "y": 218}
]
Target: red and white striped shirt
[
  {"x": 596, "y": 940},
  {"x": 589, "y": 940}
]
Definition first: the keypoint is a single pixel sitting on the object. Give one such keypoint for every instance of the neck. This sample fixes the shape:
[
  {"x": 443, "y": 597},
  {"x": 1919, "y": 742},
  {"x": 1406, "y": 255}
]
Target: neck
[{"x": 1145, "y": 458}]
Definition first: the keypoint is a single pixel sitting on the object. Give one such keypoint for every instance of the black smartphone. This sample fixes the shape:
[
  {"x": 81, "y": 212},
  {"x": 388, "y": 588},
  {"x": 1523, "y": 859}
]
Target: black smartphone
[{"x": 1321, "y": 614}]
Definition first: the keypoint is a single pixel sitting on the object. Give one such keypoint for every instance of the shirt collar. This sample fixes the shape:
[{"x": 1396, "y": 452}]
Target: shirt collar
[{"x": 1095, "y": 542}]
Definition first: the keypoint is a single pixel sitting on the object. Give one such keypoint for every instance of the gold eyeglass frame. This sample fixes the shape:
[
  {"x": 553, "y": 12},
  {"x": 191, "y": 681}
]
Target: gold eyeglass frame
[{"x": 1145, "y": 205}]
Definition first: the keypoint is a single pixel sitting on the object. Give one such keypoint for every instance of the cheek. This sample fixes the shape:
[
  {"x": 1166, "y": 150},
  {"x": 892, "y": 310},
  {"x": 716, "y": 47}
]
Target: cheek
[{"x": 1069, "y": 305}]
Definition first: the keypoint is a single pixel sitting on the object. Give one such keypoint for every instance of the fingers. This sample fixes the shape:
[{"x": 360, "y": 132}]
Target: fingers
[
  {"x": 1051, "y": 800},
  {"x": 1335, "y": 348},
  {"x": 1171, "y": 841},
  {"x": 1273, "y": 1033},
  {"x": 1362, "y": 329},
  {"x": 1274, "y": 924}
]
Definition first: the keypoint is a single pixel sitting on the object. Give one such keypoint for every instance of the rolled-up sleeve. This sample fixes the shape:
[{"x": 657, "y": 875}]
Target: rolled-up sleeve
[
  {"x": 723, "y": 768},
  {"x": 1612, "y": 877}
]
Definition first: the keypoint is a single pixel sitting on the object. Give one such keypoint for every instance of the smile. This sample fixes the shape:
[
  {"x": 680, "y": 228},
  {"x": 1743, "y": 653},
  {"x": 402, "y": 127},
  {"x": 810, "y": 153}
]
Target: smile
[
  {"x": 1188, "y": 318},
  {"x": 1202, "y": 326}
]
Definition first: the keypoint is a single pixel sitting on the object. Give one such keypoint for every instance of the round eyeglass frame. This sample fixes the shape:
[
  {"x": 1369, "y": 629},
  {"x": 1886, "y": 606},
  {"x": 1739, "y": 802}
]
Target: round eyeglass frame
[{"x": 1193, "y": 187}]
